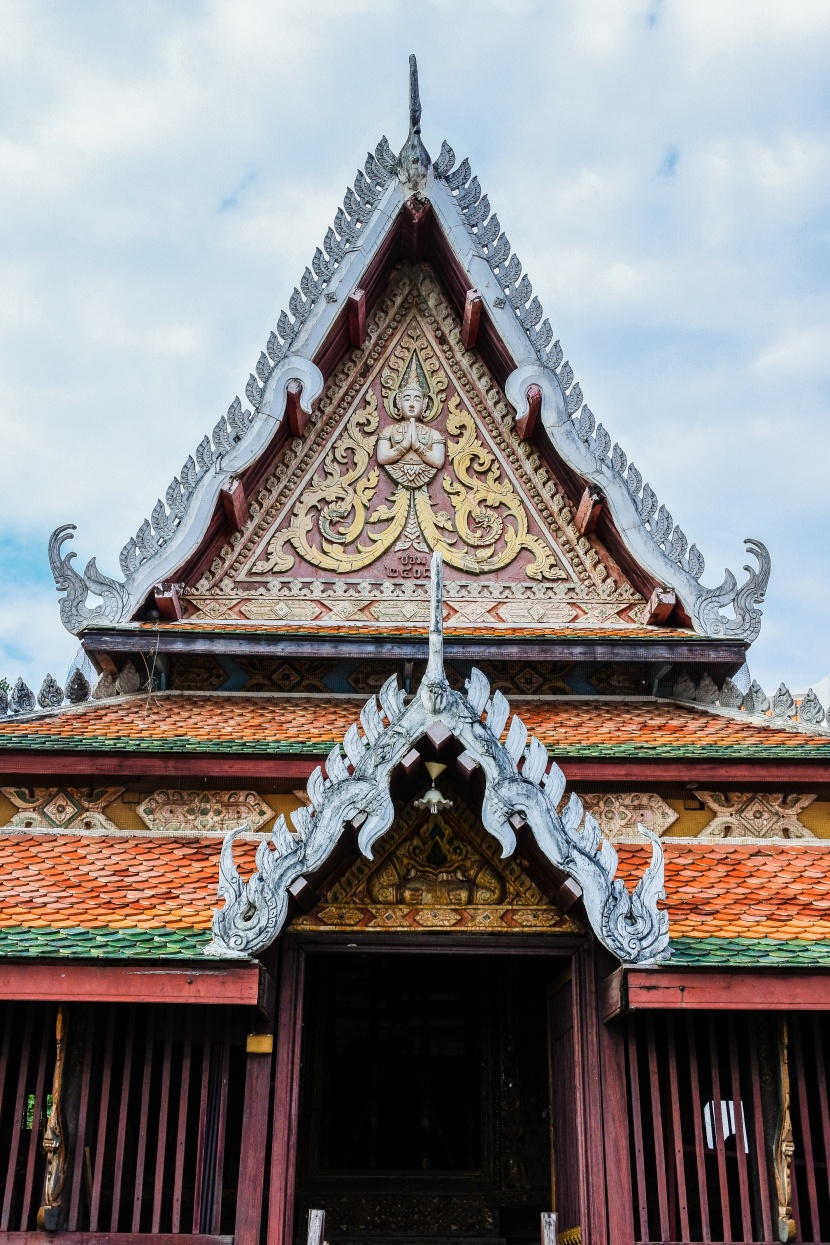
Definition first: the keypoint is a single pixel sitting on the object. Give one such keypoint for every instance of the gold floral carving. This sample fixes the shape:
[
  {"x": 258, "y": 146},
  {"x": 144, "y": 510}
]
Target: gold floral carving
[
  {"x": 333, "y": 526},
  {"x": 336, "y": 504},
  {"x": 437, "y": 872},
  {"x": 484, "y": 503}
]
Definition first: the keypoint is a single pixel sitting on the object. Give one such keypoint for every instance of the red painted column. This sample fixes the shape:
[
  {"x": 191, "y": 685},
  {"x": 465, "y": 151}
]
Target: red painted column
[{"x": 286, "y": 1096}]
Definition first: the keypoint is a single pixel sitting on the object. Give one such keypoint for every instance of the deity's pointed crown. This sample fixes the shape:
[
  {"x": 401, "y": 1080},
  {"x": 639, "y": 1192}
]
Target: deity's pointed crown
[{"x": 414, "y": 376}]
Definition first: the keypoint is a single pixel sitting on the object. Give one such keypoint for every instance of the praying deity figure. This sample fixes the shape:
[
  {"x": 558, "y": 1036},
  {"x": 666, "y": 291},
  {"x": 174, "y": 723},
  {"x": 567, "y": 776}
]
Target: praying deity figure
[{"x": 409, "y": 450}]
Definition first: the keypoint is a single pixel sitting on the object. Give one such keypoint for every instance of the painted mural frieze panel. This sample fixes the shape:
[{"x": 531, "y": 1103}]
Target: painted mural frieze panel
[
  {"x": 755, "y": 815},
  {"x": 203, "y": 812},
  {"x": 411, "y": 450},
  {"x": 437, "y": 872},
  {"x": 61, "y": 808},
  {"x": 619, "y": 814}
]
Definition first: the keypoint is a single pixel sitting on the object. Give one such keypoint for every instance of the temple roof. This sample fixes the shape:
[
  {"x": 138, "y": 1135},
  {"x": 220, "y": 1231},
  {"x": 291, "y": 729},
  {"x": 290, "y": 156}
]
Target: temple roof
[
  {"x": 248, "y": 723},
  {"x": 743, "y": 904},
  {"x": 413, "y": 210}
]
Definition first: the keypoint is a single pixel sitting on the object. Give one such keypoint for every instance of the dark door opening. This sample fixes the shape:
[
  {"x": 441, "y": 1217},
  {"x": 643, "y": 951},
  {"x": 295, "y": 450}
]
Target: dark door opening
[{"x": 424, "y": 1110}]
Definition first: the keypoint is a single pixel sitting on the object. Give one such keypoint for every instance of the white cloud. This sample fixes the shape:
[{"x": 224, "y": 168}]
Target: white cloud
[{"x": 662, "y": 169}]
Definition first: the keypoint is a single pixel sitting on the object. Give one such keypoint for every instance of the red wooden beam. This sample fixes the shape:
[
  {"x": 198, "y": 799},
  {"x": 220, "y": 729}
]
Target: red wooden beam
[
  {"x": 167, "y": 601},
  {"x": 235, "y": 504},
  {"x": 472, "y": 319},
  {"x": 294, "y": 413},
  {"x": 356, "y": 303},
  {"x": 416, "y": 228},
  {"x": 762, "y": 774},
  {"x": 632, "y": 989},
  {"x": 661, "y": 603},
  {"x": 588, "y": 511},
  {"x": 526, "y": 424},
  {"x": 111, "y": 1238},
  {"x": 235, "y": 985}
]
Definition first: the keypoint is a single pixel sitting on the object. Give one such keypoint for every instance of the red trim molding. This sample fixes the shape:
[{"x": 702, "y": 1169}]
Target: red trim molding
[
  {"x": 761, "y": 773},
  {"x": 643, "y": 989},
  {"x": 236, "y": 985},
  {"x": 111, "y": 1238}
]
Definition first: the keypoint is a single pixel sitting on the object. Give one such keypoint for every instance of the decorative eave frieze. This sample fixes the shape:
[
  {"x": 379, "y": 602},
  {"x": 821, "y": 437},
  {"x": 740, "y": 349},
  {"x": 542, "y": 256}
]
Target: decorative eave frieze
[{"x": 165, "y": 541}]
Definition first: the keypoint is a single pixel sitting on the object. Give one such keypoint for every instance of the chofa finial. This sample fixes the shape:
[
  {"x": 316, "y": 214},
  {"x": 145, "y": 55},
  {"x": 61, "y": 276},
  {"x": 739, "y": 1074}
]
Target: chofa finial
[
  {"x": 414, "y": 97},
  {"x": 414, "y": 161}
]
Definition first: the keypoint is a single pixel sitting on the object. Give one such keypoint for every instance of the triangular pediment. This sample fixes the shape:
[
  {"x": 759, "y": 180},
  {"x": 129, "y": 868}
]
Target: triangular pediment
[
  {"x": 351, "y": 512},
  {"x": 437, "y": 871}
]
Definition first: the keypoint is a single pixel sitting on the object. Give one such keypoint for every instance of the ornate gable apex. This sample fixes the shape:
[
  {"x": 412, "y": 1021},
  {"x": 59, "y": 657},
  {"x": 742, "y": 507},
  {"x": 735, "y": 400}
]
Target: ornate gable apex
[
  {"x": 363, "y": 230},
  {"x": 344, "y": 524}
]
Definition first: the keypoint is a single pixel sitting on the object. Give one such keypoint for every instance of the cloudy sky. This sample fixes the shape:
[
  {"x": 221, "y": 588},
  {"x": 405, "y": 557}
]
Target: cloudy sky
[{"x": 662, "y": 168}]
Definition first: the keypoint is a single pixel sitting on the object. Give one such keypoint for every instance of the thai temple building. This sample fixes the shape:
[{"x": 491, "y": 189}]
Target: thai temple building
[{"x": 420, "y": 863}]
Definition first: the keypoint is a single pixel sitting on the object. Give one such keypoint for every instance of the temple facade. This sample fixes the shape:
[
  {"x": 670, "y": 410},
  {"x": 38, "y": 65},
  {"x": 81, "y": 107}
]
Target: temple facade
[{"x": 421, "y": 862}]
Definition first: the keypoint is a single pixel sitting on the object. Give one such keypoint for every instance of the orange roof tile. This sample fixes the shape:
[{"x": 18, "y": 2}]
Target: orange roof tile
[
  {"x": 714, "y": 890},
  {"x": 223, "y": 722}
]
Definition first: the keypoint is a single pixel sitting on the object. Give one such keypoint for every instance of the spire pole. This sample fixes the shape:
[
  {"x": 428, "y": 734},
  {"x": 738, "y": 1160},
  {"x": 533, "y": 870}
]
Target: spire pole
[
  {"x": 414, "y": 161},
  {"x": 414, "y": 97}
]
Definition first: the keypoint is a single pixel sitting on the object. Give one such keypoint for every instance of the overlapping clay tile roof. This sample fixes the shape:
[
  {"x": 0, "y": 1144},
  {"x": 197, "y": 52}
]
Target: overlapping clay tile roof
[
  {"x": 309, "y": 725},
  {"x": 108, "y": 895}
]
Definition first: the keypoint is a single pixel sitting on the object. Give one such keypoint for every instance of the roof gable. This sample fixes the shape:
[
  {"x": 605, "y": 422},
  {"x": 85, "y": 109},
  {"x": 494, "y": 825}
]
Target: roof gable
[
  {"x": 305, "y": 343},
  {"x": 340, "y": 533}
]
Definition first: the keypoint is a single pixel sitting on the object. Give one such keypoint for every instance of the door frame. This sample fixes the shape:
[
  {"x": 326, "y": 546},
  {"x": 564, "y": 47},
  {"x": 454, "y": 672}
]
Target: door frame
[{"x": 602, "y": 1095}]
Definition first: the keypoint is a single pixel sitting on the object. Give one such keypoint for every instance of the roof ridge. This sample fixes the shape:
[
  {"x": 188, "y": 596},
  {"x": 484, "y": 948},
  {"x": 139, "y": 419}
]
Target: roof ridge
[
  {"x": 493, "y": 246},
  {"x": 164, "y": 541}
]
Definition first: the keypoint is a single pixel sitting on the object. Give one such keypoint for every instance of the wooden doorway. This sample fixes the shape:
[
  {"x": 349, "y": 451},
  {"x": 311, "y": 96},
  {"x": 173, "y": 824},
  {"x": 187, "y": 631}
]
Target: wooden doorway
[{"x": 424, "y": 1108}]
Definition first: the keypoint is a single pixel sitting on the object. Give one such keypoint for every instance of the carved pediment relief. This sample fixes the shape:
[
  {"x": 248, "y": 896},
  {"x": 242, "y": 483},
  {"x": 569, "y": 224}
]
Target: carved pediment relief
[
  {"x": 412, "y": 450},
  {"x": 437, "y": 872}
]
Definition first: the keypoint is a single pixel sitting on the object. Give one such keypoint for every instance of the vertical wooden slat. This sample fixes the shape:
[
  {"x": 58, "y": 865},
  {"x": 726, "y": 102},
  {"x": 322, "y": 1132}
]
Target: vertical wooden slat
[
  {"x": 8, "y": 1024},
  {"x": 181, "y": 1131},
  {"x": 122, "y": 1121},
  {"x": 586, "y": 1020},
  {"x": 103, "y": 1117},
  {"x": 219, "y": 1171},
  {"x": 286, "y": 1097},
  {"x": 143, "y": 1121},
  {"x": 717, "y": 1129},
  {"x": 254, "y": 1137},
  {"x": 17, "y": 1119},
  {"x": 761, "y": 1158},
  {"x": 806, "y": 1133},
  {"x": 821, "y": 1076},
  {"x": 679, "y": 1159},
  {"x": 47, "y": 1037},
  {"x": 80, "y": 1134},
  {"x": 637, "y": 1125},
  {"x": 741, "y": 1140},
  {"x": 200, "y": 1143},
  {"x": 619, "y": 1200},
  {"x": 158, "y": 1187},
  {"x": 697, "y": 1117},
  {"x": 657, "y": 1126}
]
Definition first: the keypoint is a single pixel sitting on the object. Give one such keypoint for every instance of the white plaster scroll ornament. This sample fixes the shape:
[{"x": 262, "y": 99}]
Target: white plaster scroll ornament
[
  {"x": 205, "y": 812},
  {"x": 163, "y": 542},
  {"x": 755, "y": 815},
  {"x": 622, "y": 815},
  {"x": 519, "y": 778}
]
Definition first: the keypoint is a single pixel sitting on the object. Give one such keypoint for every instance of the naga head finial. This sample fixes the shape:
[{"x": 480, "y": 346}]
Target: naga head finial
[{"x": 414, "y": 161}]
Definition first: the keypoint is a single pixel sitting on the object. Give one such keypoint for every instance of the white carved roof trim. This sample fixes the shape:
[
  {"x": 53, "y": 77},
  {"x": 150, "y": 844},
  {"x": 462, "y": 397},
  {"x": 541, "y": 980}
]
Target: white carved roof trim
[
  {"x": 646, "y": 529},
  {"x": 519, "y": 778},
  {"x": 165, "y": 542}
]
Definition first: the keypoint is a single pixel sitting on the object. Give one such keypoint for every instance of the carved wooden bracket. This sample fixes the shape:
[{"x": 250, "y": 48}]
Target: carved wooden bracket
[
  {"x": 356, "y": 304},
  {"x": 235, "y": 504}
]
